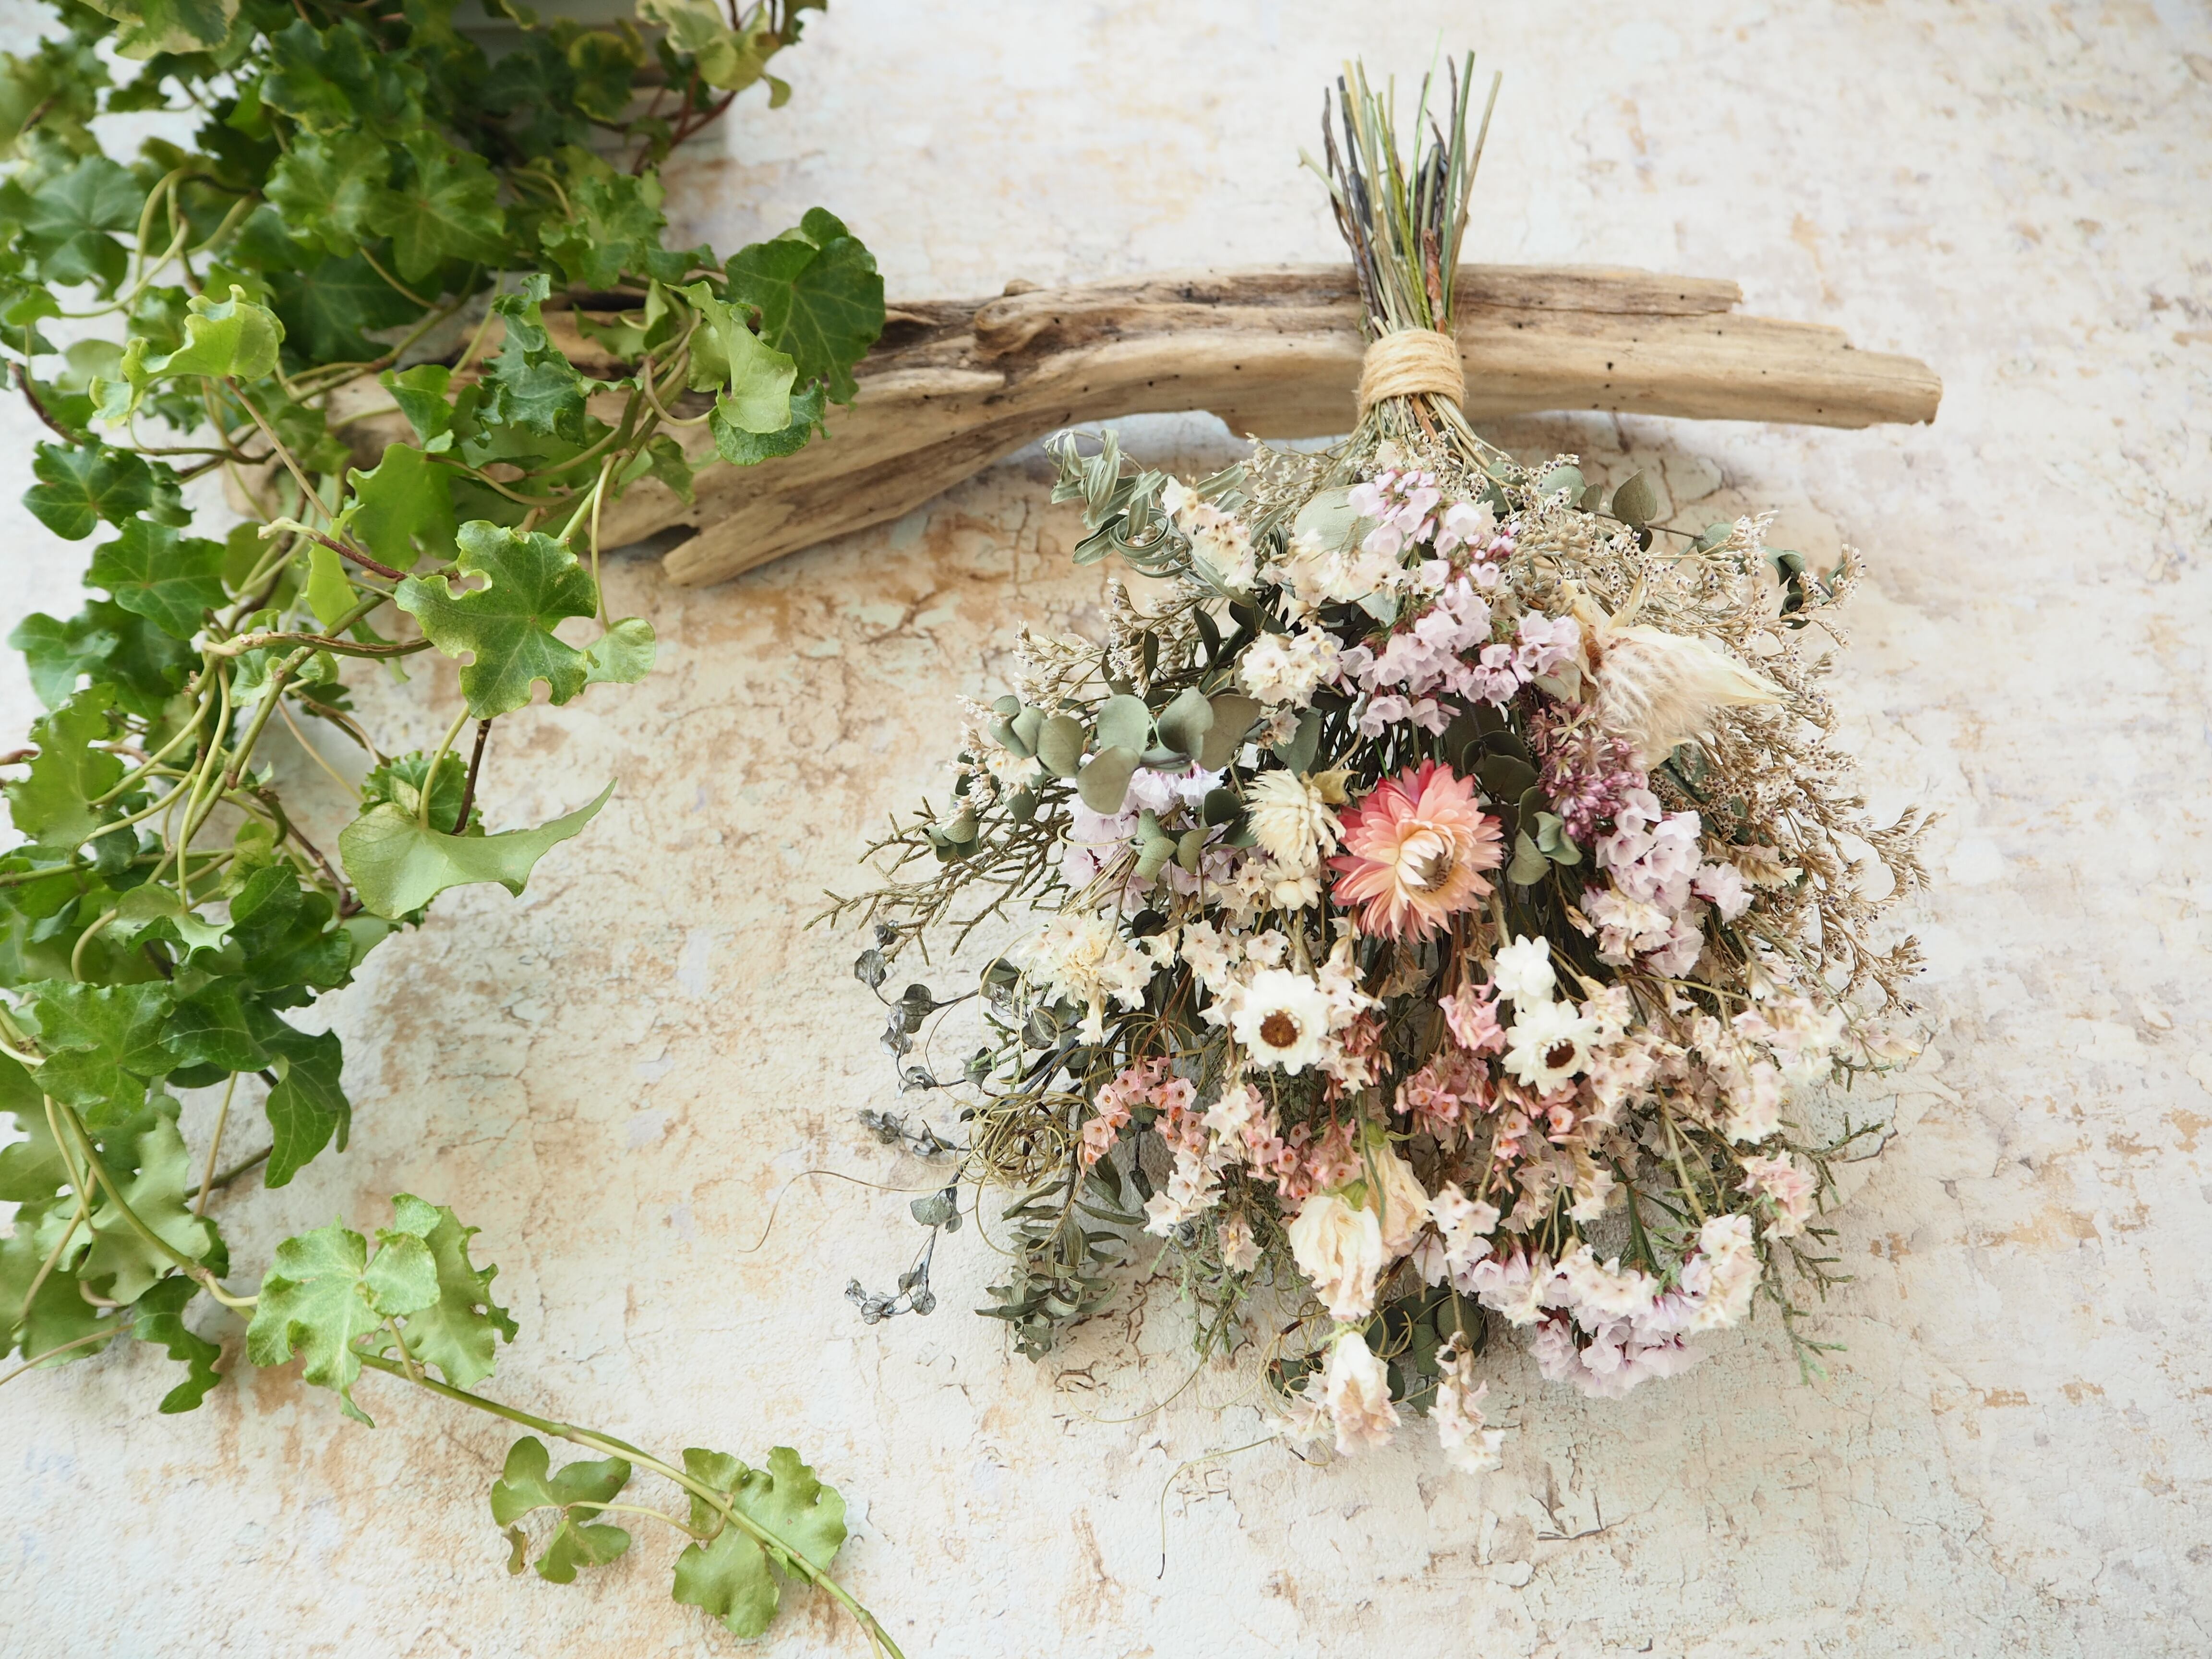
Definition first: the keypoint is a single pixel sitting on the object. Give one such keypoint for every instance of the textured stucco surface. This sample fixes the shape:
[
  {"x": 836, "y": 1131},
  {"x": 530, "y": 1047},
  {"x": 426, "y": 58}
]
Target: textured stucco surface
[{"x": 614, "y": 1076}]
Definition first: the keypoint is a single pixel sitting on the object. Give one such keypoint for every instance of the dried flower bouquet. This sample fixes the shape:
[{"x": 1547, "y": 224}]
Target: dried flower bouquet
[{"x": 1457, "y": 913}]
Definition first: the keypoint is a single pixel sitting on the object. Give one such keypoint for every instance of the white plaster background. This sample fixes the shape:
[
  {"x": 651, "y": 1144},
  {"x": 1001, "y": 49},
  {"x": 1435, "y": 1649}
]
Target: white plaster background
[{"x": 614, "y": 1076}]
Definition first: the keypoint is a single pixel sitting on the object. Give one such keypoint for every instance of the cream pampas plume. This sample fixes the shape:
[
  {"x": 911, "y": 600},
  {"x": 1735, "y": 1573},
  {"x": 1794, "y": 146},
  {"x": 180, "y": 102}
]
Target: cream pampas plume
[{"x": 1657, "y": 690}]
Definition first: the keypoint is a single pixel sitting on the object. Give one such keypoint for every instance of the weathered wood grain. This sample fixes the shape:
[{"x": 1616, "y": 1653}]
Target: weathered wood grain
[{"x": 953, "y": 386}]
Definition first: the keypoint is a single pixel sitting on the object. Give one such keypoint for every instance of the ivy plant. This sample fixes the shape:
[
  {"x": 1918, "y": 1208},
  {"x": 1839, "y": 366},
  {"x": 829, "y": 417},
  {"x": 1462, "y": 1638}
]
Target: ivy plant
[{"x": 368, "y": 201}]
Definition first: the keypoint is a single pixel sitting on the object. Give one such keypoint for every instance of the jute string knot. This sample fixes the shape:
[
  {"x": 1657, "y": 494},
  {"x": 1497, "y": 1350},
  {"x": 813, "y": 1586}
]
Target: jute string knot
[{"x": 1414, "y": 360}]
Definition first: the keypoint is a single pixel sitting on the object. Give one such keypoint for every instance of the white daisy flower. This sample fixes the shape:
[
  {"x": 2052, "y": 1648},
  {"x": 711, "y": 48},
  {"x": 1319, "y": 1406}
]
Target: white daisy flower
[
  {"x": 1282, "y": 1019},
  {"x": 1548, "y": 1042}
]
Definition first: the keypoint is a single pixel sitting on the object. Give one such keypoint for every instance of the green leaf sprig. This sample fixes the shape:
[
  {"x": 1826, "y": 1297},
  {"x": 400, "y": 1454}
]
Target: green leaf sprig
[{"x": 373, "y": 203}]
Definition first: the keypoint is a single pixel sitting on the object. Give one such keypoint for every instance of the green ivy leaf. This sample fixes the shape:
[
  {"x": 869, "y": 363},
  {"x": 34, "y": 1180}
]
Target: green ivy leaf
[
  {"x": 531, "y": 384},
  {"x": 741, "y": 448},
  {"x": 534, "y": 582},
  {"x": 526, "y": 1485},
  {"x": 405, "y": 507},
  {"x": 31, "y": 1170},
  {"x": 225, "y": 339},
  {"x": 145, "y": 665},
  {"x": 54, "y": 804},
  {"x": 752, "y": 379},
  {"x": 397, "y": 866},
  {"x": 103, "y": 1045},
  {"x": 325, "y": 307},
  {"x": 288, "y": 936},
  {"x": 448, "y": 210},
  {"x": 613, "y": 221},
  {"x": 307, "y": 1107},
  {"x": 399, "y": 780},
  {"x": 420, "y": 392},
  {"x": 81, "y": 484},
  {"x": 728, "y": 1576},
  {"x": 210, "y": 1028},
  {"x": 156, "y": 1194},
  {"x": 69, "y": 217},
  {"x": 330, "y": 187},
  {"x": 419, "y": 395},
  {"x": 170, "y": 580},
  {"x": 457, "y": 1332},
  {"x": 820, "y": 298},
  {"x": 158, "y": 1317},
  {"x": 332, "y": 79},
  {"x": 152, "y": 26}
]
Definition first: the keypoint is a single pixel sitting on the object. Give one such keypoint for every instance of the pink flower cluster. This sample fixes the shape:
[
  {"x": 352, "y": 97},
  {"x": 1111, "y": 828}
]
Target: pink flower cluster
[
  {"x": 1404, "y": 506},
  {"x": 1145, "y": 1085},
  {"x": 1445, "y": 652},
  {"x": 1587, "y": 775}
]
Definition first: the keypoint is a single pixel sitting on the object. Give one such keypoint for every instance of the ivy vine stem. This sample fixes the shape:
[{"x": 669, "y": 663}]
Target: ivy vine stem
[{"x": 721, "y": 1503}]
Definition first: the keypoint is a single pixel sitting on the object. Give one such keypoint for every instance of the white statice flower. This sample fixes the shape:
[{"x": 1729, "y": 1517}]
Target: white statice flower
[
  {"x": 1192, "y": 1188},
  {"x": 1599, "y": 1292},
  {"x": 1290, "y": 816},
  {"x": 1306, "y": 1415},
  {"x": 1752, "y": 1088},
  {"x": 1723, "y": 1275},
  {"x": 1788, "y": 1184},
  {"x": 1359, "y": 1394},
  {"x": 1281, "y": 1019},
  {"x": 1548, "y": 1043},
  {"x": 1802, "y": 1035},
  {"x": 1213, "y": 954},
  {"x": 1223, "y": 546},
  {"x": 1338, "y": 1246},
  {"x": 1513, "y": 1286},
  {"x": 1459, "y": 1236},
  {"x": 1313, "y": 574},
  {"x": 1627, "y": 928},
  {"x": 1286, "y": 669},
  {"x": 1594, "y": 1186},
  {"x": 1084, "y": 956},
  {"x": 1230, "y": 1121},
  {"x": 1403, "y": 1203},
  {"x": 1470, "y": 1444},
  {"x": 1724, "y": 887},
  {"x": 1524, "y": 971},
  {"x": 1161, "y": 792},
  {"x": 1240, "y": 1251}
]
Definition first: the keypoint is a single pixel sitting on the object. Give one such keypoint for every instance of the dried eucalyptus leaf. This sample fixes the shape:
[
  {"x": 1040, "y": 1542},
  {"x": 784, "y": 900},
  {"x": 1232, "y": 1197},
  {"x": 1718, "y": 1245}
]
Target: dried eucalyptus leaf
[
  {"x": 1634, "y": 503},
  {"x": 1185, "y": 722},
  {"x": 1104, "y": 781},
  {"x": 1124, "y": 722},
  {"x": 1234, "y": 717},
  {"x": 1060, "y": 745}
]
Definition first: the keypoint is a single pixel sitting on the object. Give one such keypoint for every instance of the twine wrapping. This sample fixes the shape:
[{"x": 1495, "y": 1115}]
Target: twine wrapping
[{"x": 1412, "y": 360}]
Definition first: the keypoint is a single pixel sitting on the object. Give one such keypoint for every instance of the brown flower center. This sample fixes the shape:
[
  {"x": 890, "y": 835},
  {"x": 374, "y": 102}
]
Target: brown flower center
[
  {"x": 1279, "y": 1029},
  {"x": 1559, "y": 1055}
]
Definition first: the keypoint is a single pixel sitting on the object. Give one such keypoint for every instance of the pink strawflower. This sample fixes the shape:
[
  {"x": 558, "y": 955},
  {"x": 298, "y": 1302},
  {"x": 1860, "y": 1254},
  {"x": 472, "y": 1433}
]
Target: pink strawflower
[{"x": 1415, "y": 849}]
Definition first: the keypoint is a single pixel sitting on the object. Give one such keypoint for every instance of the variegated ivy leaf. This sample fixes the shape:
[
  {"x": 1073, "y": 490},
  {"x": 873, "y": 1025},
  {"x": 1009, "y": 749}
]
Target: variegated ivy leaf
[
  {"x": 505, "y": 628},
  {"x": 325, "y": 1292},
  {"x": 728, "y": 1575}
]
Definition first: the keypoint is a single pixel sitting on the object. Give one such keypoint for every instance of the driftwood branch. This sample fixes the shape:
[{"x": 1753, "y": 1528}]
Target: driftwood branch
[{"x": 954, "y": 385}]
